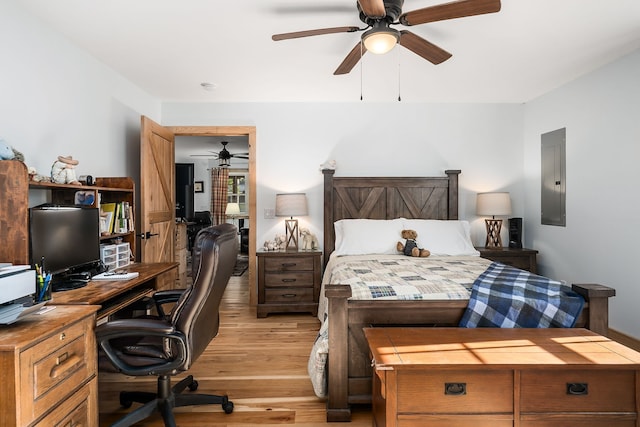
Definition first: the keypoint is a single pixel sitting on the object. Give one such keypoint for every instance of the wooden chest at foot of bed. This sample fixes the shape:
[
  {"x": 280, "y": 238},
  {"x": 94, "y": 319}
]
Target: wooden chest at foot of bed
[
  {"x": 502, "y": 377},
  {"x": 289, "y": 281}
]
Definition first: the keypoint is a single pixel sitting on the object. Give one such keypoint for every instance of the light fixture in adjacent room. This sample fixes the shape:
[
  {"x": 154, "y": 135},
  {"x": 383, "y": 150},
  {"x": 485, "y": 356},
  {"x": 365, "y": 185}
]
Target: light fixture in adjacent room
[
  {"x": 224, "y": 157},
  {"x": 493, "y": 204},
  {"x": 232, "y": 211},
  {"x": 291, "y": 204},
  {"x": 380, "y": 39}
]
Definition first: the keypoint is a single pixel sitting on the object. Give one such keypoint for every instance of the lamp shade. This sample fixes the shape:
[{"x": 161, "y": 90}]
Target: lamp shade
[
  {"x": 492, "y": 204},
  {"x": 232, "y": 209},
  {"x": 291, "y": 204}
]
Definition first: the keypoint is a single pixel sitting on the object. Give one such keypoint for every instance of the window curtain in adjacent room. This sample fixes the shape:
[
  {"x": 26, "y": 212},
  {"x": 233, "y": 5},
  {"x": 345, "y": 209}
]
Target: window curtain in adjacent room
[{"x": 219, "y": 180}]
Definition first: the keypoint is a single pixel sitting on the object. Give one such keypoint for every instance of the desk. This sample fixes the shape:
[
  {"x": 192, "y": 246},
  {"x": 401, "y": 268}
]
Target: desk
[
  {"x": 49, "y": 369},
  {"x": 113, "y": 295},
  {"x": 502, "y": 377}
]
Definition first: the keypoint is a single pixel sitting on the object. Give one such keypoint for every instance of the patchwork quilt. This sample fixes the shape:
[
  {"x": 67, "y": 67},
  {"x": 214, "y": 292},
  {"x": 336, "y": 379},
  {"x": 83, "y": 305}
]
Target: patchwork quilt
[
  {"x": 506, "y": 297},
  {"x": 391, "y": 277}
]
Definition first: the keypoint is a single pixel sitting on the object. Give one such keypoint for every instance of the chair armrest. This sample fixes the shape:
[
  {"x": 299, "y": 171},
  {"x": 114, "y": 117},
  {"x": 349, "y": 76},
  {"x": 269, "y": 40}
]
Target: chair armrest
[
  {"x": 142, "y": 328},
  {"x": 166, "y": 297}
]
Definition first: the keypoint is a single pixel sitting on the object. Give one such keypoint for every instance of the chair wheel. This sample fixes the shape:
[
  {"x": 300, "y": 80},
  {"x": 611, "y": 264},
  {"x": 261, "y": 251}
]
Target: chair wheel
[
  {"x": 193, "y": 386},
  {"x": 227, "y": 407},
  {"x": 126, "y": 404}
]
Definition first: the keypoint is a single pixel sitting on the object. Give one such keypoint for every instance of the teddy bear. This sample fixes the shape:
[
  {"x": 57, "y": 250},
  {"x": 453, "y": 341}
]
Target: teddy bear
[
  {"x": 309, "y": 240},
  {"x": 410, "y": 248},
  {"x": 62, "y": 171}
]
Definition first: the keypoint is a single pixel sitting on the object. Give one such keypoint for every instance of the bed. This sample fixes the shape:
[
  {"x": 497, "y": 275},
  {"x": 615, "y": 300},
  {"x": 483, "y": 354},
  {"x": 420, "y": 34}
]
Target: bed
[{"x": 348, "y": 370}]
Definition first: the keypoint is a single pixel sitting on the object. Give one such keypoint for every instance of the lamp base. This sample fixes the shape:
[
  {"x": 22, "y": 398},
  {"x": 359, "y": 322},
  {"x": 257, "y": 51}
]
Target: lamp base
[
  {"x": 493, "y": 233},
  {"x": 291, "y": 228}
]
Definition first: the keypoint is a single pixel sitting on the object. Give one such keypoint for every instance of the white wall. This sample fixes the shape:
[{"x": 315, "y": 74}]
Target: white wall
[
  {"x": 371, "y": 139},
  {"x": 57, "y": 100},
  {"x": 601, "y": 114}
]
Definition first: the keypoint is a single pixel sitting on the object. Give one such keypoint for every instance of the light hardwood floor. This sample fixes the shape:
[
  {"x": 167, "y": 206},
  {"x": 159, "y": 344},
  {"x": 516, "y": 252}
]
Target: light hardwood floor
[{"x": 260, "y": 363}]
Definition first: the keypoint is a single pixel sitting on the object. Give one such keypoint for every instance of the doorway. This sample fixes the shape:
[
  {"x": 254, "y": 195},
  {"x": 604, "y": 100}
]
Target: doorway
[{"x": 250, "y": 133}]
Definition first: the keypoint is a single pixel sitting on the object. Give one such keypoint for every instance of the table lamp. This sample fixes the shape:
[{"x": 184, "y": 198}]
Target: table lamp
[
  {"x": 493, "y": 204},
  {"x": 291, "y": 204},
  {"x": 232, "y": 210}
]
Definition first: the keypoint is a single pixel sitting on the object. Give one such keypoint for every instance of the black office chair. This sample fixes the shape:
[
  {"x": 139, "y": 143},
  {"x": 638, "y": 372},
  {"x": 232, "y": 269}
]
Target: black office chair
[{"x": 166, "y": 345}]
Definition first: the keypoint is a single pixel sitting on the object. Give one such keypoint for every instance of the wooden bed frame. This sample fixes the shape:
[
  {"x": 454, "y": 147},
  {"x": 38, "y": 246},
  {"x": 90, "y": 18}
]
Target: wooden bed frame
[{"x": 349, "y": 364}]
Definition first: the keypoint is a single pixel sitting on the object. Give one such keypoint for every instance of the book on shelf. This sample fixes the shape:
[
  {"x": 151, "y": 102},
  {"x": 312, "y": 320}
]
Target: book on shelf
[{"x": 109, "y": 210}]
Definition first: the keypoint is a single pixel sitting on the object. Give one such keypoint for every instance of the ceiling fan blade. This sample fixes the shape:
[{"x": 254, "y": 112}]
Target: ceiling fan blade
[
  {"x": 351, "y": 60},
  {"x": 454, "y": 9},
  {"x": 423, "y": 48},
  {"x": 373, "y": 8},
  {"x": 318, "y": 32}
]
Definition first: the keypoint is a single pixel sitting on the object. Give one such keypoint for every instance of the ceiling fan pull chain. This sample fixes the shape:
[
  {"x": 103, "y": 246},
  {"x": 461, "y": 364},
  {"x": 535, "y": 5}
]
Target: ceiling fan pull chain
[
  {"x": 361, "y": 69},
  {"x": 399, "y": 75}
]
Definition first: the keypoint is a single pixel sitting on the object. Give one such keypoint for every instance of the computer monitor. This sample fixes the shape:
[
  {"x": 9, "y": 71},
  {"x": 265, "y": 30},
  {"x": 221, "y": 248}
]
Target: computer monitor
[{"x": 65, "y": 240}]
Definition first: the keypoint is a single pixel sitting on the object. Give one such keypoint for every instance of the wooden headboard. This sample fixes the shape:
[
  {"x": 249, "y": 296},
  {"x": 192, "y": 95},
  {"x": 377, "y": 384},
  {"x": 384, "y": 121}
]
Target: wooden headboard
[{"x": 386, "y": 198}]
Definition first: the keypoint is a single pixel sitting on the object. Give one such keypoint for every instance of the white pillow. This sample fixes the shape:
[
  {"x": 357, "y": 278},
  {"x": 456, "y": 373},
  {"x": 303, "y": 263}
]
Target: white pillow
[
  {"x": 443, "y": 237},
  {"x": 367, "y": 236}
]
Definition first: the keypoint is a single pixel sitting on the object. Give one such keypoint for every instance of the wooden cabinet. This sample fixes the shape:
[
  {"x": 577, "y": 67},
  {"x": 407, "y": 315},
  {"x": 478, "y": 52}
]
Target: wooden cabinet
[
  {"x": 14, "y": 206},
  {"x": 288, "y": 281},
  {"x": 49, "y": 369},
  {"x": 502, "y": 377},
  {"x": 524, "y": 259}
]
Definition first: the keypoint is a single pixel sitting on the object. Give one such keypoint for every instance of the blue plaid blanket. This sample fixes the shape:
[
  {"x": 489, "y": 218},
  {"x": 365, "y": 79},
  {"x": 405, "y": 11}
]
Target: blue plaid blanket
[{"x": 507, "y": 297}]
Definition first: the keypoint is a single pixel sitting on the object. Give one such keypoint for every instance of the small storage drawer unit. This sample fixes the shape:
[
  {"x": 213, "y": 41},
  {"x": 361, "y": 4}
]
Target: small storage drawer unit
[
  {"x": 502, "y": 377},
  {"x": 288, "y": 281},
  {"x": 50, "y": 364},
  {"x": 109, "y": 256},
  {"x": 122, "y": 254}
]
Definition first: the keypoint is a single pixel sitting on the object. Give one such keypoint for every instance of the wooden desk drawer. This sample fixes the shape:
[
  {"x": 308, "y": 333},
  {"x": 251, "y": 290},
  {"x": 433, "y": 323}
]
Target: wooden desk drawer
[
  {"x": 289, "y": 295},
  {"x": 288, "y": 263},
  {"x": 293, "y": 279},
  {"x": 77, "y": 411},
  {"x": 546, "y": 391},
  {"x": 485, "y": 392},
  {"x": 55, "y": 367}
]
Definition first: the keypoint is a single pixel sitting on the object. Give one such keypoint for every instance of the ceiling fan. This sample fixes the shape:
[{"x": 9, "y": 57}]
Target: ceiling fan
[
  {"x": 379, "y": 37},
  {"x": 224, "y": 156}
]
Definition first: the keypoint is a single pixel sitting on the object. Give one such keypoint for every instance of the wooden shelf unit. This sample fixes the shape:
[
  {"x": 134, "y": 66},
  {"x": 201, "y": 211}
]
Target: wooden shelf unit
[{"x": 14, "y": 206}]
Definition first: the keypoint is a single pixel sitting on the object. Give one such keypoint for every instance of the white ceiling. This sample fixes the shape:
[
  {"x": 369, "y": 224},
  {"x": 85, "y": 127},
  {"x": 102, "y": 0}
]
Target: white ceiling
[{"x": 168, "y": 47}]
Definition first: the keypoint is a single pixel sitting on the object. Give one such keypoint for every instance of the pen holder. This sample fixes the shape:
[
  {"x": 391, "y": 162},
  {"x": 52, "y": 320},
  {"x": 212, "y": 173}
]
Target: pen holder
[{"x": 43, "y": 289}]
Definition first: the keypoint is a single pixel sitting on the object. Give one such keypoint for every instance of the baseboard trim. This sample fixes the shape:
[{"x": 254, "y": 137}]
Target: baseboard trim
[{"x": 624, "y": 339}]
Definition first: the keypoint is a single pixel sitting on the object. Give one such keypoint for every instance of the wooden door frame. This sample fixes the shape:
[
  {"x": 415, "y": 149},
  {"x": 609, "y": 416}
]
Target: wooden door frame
[{"x": 250, "y": 133}]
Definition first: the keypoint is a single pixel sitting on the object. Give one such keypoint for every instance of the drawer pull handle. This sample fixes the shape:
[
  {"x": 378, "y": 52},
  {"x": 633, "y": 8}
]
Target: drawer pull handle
[
  {"x": 578, "y": 389},
  {"x": 288, "y": 280},
  {"x": 65, "y": 363},
  {"x": 289, "y": 295},
  {"x": 288, "y": 264},
  {"x": 455, "y": 389}
]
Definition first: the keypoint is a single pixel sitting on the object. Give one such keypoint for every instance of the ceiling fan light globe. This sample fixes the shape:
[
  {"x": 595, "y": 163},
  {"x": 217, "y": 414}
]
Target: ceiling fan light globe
[{"x": 380, "y": 41}]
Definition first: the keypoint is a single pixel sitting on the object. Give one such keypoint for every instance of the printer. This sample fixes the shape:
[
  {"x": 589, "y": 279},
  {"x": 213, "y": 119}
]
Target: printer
[{"x": 17, "y": 286}]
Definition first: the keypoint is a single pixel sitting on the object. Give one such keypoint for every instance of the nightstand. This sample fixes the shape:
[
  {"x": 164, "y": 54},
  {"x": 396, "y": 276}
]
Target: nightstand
[
  {"x": 522, "y": 258},
  {"x": 289, "y": 281}
]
